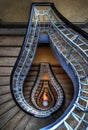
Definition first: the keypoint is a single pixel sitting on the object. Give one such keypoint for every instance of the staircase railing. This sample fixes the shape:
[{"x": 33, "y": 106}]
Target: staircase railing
[
  {"x": 72, "y": 53},
  {"x": 71, "y": 47}
]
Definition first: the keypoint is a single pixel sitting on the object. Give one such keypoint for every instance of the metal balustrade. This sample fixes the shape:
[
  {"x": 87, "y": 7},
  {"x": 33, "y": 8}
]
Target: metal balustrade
[
  {"x": 77, "y": 45},
  {"x": 72, "y": 48},
  {"x": 71, "y": 57},
  {"x": 56, "y": 86},
  {"x": 65, "y": 43}
]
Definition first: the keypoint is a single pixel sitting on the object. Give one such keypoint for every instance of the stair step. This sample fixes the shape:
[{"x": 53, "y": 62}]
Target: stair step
[
  {"x": 8, "y": 115},
  {"x": 5, "y": 98},
  {"x": 12, "y": 123},
  {"x": 6, "y": 106},
  {"x": 4, "y": 90},
  {"x": 22, "y": 123}
]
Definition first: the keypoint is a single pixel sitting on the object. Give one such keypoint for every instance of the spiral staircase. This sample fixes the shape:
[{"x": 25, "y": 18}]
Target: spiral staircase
[{"x": 71, "y": 51}]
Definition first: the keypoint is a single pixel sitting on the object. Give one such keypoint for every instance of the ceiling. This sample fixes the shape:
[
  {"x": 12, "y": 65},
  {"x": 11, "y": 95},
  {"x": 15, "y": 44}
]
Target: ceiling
[{"x": 18, "y": 10}]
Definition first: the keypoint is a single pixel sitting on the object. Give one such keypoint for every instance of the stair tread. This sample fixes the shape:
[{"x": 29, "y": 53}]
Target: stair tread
[
  {"x": 11, "y": 124},
  {"x": 8, "y": 115}
]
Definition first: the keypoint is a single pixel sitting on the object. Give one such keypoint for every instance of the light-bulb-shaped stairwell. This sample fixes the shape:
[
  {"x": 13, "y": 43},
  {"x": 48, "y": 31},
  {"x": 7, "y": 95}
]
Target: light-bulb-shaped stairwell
[
  {"x": 72, "y": 53},
  {"x": 11, "y": 117}
]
